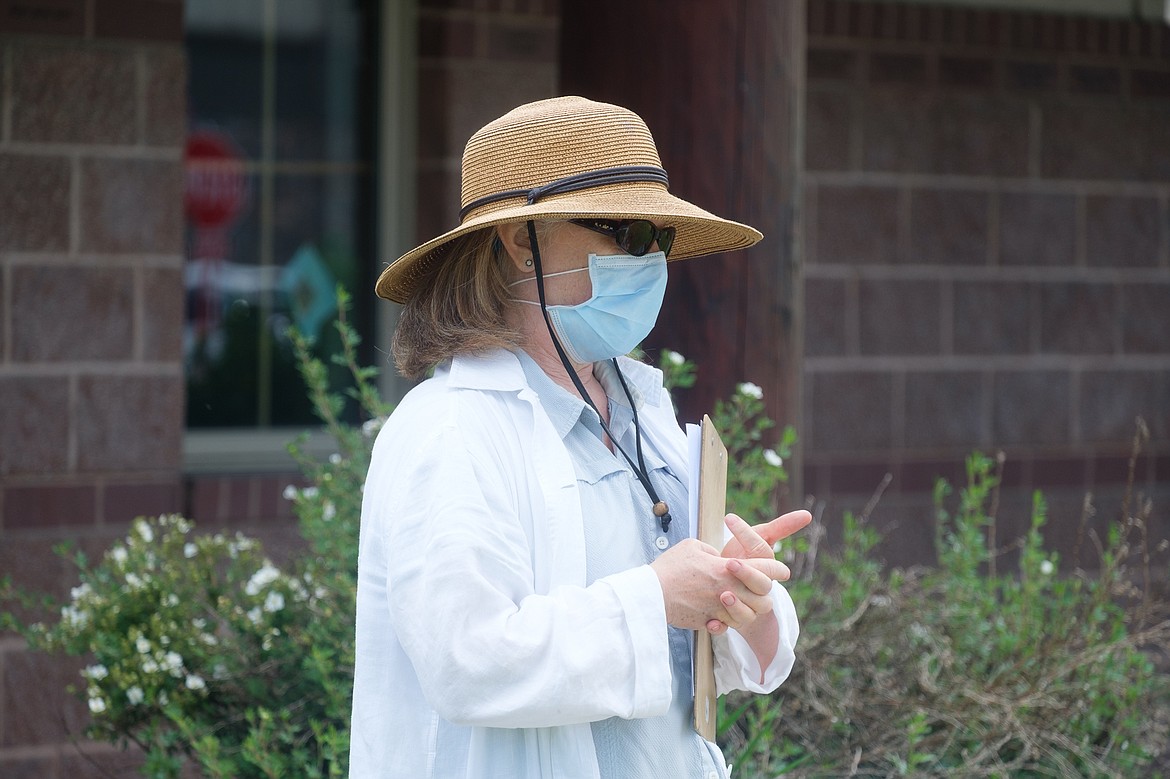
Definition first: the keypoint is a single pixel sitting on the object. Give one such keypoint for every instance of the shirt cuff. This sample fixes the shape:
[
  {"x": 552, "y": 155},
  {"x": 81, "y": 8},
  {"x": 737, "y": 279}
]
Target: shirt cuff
[
  {"x": 640, "y": 594},
  {"x": 736, "y": 665}
]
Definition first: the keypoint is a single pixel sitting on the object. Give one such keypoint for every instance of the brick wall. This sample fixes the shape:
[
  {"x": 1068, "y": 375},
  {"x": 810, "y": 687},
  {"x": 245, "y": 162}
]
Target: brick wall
[
  {"x": 92, "y": 125},
  {"x": 987, "y": 223},
  {"x": 477, "y": 60}
]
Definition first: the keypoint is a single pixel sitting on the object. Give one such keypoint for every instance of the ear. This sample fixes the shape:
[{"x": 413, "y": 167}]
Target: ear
[{"x": 513, "y": 240}]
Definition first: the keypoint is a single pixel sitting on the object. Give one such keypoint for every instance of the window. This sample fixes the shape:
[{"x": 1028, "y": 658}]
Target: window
[{"x": 279, "y": 203}]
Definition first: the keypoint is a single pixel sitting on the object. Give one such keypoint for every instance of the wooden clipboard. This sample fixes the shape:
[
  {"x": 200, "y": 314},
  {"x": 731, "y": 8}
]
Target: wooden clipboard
[{"x": 712, "y": 508}]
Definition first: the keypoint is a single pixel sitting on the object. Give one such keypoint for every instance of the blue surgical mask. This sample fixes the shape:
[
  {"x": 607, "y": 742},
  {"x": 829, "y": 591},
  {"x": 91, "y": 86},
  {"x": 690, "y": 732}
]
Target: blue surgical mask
[{"x": 627, "y": 296}]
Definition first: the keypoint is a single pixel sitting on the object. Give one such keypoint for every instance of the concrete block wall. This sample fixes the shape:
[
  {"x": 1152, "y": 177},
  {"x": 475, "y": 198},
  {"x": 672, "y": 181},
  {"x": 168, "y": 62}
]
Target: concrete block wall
[
  {"x": 987, "y": 225},
  {"x": 477, "y": 60},
  {"x": 92, "y": 127}
]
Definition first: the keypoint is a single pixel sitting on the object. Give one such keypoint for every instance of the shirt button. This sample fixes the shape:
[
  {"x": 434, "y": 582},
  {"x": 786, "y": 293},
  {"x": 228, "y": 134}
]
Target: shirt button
[
  {"x": 712, "y": 775},
  {"x": 661, "y": 542}
]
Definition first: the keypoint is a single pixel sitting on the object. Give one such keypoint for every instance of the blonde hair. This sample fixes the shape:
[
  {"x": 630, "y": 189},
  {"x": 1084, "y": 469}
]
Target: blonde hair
[{"x": 458, "y": 307}]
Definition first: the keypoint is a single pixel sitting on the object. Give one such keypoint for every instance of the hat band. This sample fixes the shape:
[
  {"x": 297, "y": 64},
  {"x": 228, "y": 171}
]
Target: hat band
[{"x": 586, "y": 180}]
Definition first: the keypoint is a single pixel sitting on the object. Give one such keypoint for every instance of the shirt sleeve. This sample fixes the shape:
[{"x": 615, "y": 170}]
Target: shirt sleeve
[
  {"x": 487, "y": 649},
  {"x": 736, "y": 665}
]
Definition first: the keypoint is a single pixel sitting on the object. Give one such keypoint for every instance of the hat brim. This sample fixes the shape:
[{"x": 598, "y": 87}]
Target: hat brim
[{"x": 697, "y": 232}]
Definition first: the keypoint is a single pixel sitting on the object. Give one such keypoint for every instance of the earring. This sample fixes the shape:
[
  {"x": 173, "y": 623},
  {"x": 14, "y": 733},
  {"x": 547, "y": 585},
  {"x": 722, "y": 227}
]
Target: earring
[{"x": 528, "y": 263}]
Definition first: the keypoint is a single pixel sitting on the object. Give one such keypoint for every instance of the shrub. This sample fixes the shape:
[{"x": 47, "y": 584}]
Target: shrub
[{"x": 960, "y": 670}]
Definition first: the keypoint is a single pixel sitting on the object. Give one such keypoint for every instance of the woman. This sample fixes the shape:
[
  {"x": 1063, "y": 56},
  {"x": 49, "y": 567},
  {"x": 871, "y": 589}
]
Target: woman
[{"x": 526, "y": 586}]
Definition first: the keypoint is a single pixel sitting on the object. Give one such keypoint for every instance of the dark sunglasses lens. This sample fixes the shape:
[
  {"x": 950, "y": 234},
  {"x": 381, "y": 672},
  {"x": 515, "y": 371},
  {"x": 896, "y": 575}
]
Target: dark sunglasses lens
[
  {"x": 636, "y": 236},
  {"x": 665, "y": 240}
]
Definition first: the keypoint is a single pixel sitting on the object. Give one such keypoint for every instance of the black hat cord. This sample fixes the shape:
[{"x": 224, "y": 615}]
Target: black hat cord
[{"x": 660, "y": 509}]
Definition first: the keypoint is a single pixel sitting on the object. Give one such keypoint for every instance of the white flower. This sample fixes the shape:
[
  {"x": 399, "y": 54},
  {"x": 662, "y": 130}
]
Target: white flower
[
  {"x": 195, "y": 682},
  {"x": 135, "y": 695},
  {"x": 80, "y": 591},
  {"x": 274, "y": 602},
  {"x": 772, "y": 458},
  {"x": 190, "y": 550},
  {"x": 118, "y": 555},
  {"x": 144, "y": 530},
  {"x": 149, "y": 666},
  {"x": 97, "y": 705},
  {"x": 172, "y": 662},
  {"x": 328, "y": 511},
  {"x": 1046, "y": 567},
  {"x": 171, "y": 600},
  {"x": 751, "y": 390},
  {"x": 74, "y": 617},
  {"x": 309, "y": 492},
  {"x": 267, "y": 574},
  {"x": 199, "y": 623},
  {"x": 254, "y": 615},
  {"x": 135, "y": 581},
  {"x": 209, "y": 639},
  {"x": 290, "y": 493},
  {"x": 96, "y": 672},
  {"x": 142, "y": 645},
  {"x": 219, "y": 672},
  {"x": 371, "y": 427},
  {"x": 335, "y": 458},
  {"x": 163, "y": 700}
]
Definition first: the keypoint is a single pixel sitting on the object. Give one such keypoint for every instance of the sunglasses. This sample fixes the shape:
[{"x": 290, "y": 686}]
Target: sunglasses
[{"x": 635, "y": 236}]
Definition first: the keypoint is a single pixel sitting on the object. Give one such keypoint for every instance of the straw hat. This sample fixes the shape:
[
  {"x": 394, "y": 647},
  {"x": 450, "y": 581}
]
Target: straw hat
[{"x": 567, "y": 158}]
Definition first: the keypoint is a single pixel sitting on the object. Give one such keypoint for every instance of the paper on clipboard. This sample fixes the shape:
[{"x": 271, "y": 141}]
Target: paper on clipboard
[{"x": 708, "y": 505}]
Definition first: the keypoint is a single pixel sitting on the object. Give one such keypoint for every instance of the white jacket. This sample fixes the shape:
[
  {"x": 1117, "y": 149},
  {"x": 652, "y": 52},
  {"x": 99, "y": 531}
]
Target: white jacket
[{"x": 480, "y": 651}]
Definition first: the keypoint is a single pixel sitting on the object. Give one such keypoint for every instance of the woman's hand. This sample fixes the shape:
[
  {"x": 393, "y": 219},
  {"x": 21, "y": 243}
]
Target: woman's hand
[
  {"x": 758, "y": 541},
  {"x": 699, "y": 586}
]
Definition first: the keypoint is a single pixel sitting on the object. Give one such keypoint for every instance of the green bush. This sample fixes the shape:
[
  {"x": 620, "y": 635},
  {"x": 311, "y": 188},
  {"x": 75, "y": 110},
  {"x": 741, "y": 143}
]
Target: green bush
[
  {"x": 202, "y": 650},
  {"x": 960, "y": 670}
]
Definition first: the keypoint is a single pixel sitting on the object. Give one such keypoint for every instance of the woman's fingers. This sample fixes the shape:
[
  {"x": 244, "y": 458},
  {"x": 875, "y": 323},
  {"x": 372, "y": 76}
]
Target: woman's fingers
[
  {"x": 783, "y": 526},
  {"x": 751, "y": 543},
  {"x": 754, "y": 579}
]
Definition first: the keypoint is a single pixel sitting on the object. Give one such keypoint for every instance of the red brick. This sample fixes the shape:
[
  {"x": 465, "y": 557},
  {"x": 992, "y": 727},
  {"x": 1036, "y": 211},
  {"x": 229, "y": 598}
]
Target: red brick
[
  {"x": 31, "y": 685},
  {"x": 34, "y": 425},
  {"x": 828, "y": 118},
  {"x": 824, "y": 317},
  {"x": 1037, "y": 229},
  {"x": 444, "y": 38},
  {"x": 43, "y": 17},
  {"x": 34, "y": 198},
  {"x": 966, "y": 72},
  {"x": 123, "y": 502},
  {"x": 992, "y": 317},
  {"x": 1094, "y": 80},
  {"x": 438, "y": 202},
  {"x": 897, "y": 68},
  {"x": 145, "y": 20},
  {"x": 831, "y": 65},
  {"x": 163, "y": 305},
  {"x": 35, "y": 568},
  {"x": 1031, "y": 408},
  {"x": 1083, "y": 141},
  {"x": 1145, "y": 318},
  {"x": 1060, "y": 472},
  {"x": 129, "y": 423},
  {"x": 849, "y": 411},
  {"x": 912, "y": 131},
  {"x": 165, "y": 107},
  {"x": 1078, "y": 318},
  {"x": 921, "y": 475},
  {"x": 132, "y": 206},
  {"x": 100, "y": 320},
  {"x": 944, "y": 409},
  {"x": 73, "y": 94},
  {"x": 1150, "y": 83},
  {"x": 42, "y": 506},
  {"x": 480, "y": 93},
  {"x": 1121, "y": 231},
  {"x": 1112, "y": 400},
  {"x": 1031, "y": 76},
  {"x": 101, "y": 761},
  {"x": 204, "y": 500},
  {"x": 899, "y": 317},
  {"x": 856, "y": 225},
  {"x": 31, "y": 767},
  {"x": 521, "y": 42},
  {"x": 948, "y": 227}
]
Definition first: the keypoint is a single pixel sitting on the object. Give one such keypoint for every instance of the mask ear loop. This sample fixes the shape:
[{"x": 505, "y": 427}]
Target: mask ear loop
[{"x": 660, "y": 509}]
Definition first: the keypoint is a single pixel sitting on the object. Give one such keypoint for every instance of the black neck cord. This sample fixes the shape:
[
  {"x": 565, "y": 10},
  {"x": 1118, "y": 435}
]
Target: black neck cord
[{"x": 660, "y": 508}]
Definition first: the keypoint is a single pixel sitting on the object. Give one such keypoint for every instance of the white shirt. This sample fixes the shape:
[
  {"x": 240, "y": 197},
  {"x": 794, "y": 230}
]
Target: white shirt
[{"x": 481, "y": 650}]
